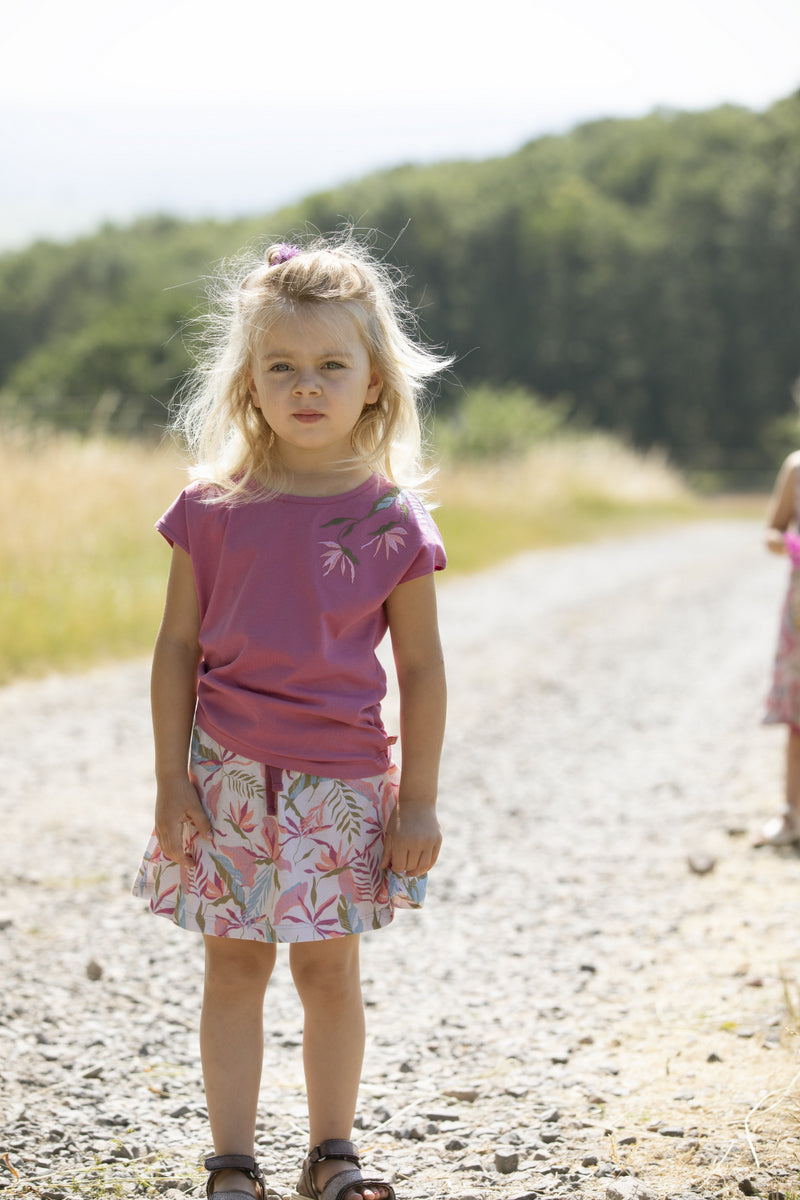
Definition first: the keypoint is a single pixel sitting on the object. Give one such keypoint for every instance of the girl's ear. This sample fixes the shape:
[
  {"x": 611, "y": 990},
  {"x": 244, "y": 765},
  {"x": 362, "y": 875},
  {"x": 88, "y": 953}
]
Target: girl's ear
[
  {"x": 374, "y": 388},
  {"x": 252, "y": 389}
]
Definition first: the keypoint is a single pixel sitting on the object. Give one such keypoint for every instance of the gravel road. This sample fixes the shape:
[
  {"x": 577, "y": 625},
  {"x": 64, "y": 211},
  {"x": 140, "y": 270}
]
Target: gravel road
[{"x": 602, "y": 994}]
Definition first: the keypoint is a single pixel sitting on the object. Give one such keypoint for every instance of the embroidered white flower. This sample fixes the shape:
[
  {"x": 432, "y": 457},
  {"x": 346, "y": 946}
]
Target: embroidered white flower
[
  {"x": 337, "y": 555},
  {"x": 392, "y": 539}
]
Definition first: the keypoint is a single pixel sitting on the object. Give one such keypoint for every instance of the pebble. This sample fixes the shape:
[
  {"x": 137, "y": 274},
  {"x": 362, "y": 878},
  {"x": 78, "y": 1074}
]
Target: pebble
[
  {"x": 629, "y": 1189},
  {"x": 701, "y": 863},
  {"x": 556, "y": 984},
  {"x": 506, "y": 1161}
]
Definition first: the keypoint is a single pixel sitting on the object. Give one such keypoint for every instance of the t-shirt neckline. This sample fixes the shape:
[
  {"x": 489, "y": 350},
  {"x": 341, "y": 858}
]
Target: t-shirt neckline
[{"x": 336, "y": 498}]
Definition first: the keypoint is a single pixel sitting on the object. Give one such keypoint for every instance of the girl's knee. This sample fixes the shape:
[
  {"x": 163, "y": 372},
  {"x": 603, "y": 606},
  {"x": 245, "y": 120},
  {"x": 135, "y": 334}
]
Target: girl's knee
[
  {"x": 326, "y": 969},
  {"x": 233, "y": 962}
]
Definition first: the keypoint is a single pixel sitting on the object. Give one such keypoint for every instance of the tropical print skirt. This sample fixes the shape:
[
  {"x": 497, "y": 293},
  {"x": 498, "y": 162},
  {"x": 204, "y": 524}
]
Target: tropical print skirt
[
  {"x": 783, "y": 701},
  {"x": 294, "y": 857}
]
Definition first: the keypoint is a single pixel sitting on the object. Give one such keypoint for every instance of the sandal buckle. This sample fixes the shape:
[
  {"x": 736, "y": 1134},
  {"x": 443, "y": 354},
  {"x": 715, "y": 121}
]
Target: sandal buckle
[{"x": 334, "y": 1148}]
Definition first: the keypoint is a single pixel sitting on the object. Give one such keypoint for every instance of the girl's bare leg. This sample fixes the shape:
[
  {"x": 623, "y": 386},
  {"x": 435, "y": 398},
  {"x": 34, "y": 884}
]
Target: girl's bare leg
[
  {"x": 793, "y": 774},
  {"x": 232, "y": 1045},
  {"x": 785, "y": 828},
  {"x": 328, "y": 982}
]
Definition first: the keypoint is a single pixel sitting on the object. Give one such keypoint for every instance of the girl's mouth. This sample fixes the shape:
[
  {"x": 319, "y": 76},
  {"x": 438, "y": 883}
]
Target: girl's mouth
[{"x": 307, "y": 418}]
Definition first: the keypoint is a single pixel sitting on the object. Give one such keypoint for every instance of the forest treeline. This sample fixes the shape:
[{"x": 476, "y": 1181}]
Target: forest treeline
[{"x": 644, "y": 274}]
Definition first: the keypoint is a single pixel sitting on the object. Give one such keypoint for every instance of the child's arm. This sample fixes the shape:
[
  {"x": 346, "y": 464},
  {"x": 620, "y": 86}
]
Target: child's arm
[
  {"x": 781, "y": 509},
  {"x": 413, "y": 836},
  {"x": 173, "y": 690}
]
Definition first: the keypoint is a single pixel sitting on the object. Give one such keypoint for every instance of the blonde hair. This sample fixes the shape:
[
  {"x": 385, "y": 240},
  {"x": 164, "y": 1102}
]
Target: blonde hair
[{"x": 231, "y": 444}]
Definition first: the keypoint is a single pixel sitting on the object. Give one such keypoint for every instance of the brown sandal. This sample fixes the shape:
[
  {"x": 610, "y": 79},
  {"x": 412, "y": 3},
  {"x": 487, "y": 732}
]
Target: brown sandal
[
  {"x": 342, "y": 1182},
  {"x": 233, "y": 1162}
]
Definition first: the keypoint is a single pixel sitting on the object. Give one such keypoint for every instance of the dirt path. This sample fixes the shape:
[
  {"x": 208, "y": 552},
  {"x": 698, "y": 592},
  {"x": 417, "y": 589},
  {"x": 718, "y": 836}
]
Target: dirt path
[{"x": 573, "y": 1004}]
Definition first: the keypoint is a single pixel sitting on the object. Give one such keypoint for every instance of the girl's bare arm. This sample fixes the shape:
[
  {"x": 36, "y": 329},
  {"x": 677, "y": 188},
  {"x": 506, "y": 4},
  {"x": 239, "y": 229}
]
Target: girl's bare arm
[
  {"x": 781, "y": 509},
  {"x": 413, "y": 837},
  {"x": 173, "y": 691}
]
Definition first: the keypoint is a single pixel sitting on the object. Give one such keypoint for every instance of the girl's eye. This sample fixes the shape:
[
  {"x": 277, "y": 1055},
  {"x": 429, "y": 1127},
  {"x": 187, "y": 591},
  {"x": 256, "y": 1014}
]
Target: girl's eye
[
  {"x": 280, "y": 367},
  {"x": 334, "y": 366}
]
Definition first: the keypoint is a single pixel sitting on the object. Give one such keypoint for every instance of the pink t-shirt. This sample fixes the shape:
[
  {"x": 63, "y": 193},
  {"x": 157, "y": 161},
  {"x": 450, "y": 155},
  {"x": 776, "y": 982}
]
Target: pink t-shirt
[{"x": 291, "y": 593}]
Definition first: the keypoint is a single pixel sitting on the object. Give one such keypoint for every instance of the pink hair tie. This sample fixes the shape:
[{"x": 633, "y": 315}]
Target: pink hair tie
[
  {"x": 283, "y": 254},
  {"x": 792, "y": 543}
]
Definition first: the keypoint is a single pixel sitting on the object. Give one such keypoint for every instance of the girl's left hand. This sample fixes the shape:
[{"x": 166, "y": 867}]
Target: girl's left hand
[{"x": 413, "y": 840}]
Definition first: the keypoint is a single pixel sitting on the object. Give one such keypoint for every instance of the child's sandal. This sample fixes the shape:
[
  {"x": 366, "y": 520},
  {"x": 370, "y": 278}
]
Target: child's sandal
[
  {"x": 342, "y": 1182},
  {"x": 216, "y": 1163}
]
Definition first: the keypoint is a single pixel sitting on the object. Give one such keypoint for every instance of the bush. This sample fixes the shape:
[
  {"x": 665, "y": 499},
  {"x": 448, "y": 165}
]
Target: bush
[{"x": 492, "y": 424}]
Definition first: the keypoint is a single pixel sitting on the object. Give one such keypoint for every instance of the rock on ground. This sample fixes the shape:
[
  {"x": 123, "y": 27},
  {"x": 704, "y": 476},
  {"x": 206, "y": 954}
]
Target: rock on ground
[{"x": 578, "y": 1009}]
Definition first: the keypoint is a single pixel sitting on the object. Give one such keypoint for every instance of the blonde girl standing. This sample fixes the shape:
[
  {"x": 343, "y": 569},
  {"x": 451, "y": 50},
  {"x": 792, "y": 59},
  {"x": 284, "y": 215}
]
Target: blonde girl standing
[{"x": 294, "y": 549}]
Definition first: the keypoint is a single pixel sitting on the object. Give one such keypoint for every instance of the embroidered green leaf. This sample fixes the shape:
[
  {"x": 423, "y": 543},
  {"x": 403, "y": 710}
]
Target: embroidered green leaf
[{"x": 385, "y": 501}]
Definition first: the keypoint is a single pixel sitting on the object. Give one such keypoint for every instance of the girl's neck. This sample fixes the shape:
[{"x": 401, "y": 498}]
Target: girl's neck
[{"x": 331, "y": 482}]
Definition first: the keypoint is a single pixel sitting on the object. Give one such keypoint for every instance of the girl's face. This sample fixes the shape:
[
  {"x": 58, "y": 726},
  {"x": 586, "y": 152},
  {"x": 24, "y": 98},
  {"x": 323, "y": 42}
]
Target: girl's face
[{"x": 311, "y": 376}]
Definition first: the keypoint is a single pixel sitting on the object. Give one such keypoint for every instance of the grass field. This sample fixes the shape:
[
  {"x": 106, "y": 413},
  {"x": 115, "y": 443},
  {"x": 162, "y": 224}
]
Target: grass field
[{"x": 82, "y": 573}]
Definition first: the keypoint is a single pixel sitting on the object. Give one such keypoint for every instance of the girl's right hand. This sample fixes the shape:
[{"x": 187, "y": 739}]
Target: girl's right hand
[{"x": 178, "y": 805}]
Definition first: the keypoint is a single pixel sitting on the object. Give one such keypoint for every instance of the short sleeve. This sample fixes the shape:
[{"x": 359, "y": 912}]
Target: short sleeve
[
  {"x": 174, "y": 524},
  {"x": 430, "y": 553}
]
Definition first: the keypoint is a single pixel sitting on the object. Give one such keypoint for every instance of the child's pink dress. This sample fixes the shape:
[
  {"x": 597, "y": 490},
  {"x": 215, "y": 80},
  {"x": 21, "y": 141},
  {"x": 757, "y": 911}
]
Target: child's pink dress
[{"x": 783, "y": 701}]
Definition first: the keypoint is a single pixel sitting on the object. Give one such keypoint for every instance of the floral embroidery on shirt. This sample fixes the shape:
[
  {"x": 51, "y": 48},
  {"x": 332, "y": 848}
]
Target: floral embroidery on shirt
[
  {"x": 337, "y": 555},
  {"x": 390, "y": 536}
]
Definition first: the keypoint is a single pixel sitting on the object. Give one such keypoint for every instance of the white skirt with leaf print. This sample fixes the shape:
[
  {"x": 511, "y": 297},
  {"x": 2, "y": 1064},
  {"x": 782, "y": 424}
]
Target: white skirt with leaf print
[{"x": 294, "y": 857}]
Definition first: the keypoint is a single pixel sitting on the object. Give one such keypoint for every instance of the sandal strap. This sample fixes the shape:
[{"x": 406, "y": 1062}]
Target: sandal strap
[
  {"x": 237, "y": 1195},
  {"x": 335, "y": 1148},
  {"x": 343, "y": 1182},
  {"x": 373, "y": 1185},
  {"x": 243, "y": 1163}
]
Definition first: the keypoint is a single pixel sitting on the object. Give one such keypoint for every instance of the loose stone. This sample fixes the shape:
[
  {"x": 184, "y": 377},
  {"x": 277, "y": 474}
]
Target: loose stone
[
  {"x": 506, "y": 1161},
  {"x": 629, "y": 1189}
]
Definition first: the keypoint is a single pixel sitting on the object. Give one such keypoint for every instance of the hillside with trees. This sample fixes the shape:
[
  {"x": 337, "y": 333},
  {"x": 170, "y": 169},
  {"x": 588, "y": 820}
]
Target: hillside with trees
[{"x": 644, "y": 273}]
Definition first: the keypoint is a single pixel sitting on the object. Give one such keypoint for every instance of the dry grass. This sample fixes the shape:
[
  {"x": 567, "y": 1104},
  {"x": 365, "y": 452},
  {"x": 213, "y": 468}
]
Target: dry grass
[
  {"x": 82, "y": 574},
  {"x": 710, "y": 1041},
  {"x": 568, "y": 470},
  {"x": 566, "y": 489}
]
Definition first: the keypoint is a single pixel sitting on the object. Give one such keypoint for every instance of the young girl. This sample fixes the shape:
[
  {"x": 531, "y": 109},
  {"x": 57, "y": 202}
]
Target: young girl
[
  {"x": 783, "y": 702},
  {"x": 294, "y": 550}
]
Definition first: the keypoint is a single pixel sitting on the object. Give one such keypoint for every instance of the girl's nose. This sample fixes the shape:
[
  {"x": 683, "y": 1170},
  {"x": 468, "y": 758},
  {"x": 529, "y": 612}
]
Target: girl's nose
[{"x": 307, "y": 384}]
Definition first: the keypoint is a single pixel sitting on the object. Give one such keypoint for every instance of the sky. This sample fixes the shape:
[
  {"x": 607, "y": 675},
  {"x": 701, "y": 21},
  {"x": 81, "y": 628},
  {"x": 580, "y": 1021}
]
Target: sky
[{"x": 109, "y": 111}]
